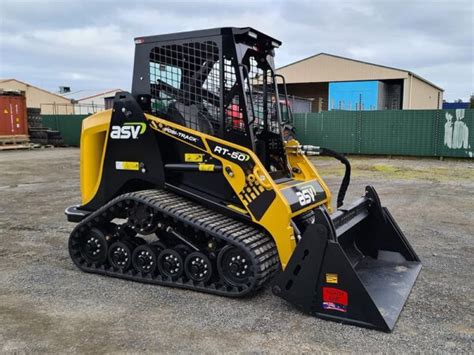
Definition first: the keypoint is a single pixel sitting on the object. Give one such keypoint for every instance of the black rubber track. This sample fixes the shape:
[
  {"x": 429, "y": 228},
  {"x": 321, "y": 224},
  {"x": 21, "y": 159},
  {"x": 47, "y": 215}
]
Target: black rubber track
[{"x": 257, "y": 245}]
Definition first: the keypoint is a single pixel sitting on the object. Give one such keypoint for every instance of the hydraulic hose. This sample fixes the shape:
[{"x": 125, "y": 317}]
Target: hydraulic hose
[
  {"x": 331, "y": 153},
  {"x": 347, "y": 174}
]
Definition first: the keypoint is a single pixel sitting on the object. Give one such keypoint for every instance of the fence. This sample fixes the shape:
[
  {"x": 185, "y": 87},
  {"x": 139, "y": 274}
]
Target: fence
[
  {"x": 68, "y": 125},
  {"x": 447, "y": 133},
  {"x": 71, "y": 109}
]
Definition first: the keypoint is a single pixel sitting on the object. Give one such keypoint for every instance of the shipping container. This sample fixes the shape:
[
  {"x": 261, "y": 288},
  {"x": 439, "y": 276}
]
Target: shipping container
[{"x": 13, "y": 117}]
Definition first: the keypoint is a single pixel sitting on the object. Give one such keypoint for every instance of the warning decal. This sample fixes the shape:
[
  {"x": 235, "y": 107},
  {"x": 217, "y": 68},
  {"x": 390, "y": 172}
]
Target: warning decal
[
  {"x": 335, "y": 299},
  {"x": 127, "y": 165},
  {"x": 206, "y": 167},
  {"x": 193, "y": 158},
  {"x": 331, "y": 278}
]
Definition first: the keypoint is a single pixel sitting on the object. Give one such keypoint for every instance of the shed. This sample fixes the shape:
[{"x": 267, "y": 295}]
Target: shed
[
  {"x": 48, "y": 102},
  {"x": 335, "y": 82}
]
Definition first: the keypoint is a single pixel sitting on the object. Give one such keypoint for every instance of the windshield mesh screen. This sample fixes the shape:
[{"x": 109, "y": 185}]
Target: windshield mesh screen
[{"x": 185, "y": 84}]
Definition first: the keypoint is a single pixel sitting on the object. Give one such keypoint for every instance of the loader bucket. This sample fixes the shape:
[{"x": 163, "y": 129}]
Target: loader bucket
[{"x": 354, "y": 267}]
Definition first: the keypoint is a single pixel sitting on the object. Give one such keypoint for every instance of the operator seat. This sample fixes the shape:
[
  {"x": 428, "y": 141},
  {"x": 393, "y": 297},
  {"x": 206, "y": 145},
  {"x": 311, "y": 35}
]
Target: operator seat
[{"x": 192, "y": 116}]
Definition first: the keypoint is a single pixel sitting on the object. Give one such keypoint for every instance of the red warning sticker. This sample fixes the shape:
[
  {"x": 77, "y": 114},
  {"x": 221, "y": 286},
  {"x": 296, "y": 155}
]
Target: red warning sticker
[{"x": 335, "y": 295}]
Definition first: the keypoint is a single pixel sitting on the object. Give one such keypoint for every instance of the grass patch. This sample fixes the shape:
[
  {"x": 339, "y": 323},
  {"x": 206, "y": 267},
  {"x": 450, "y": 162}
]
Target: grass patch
[
  {"x": 390, "y": 169},
  {"x": 403, "y": 170}
]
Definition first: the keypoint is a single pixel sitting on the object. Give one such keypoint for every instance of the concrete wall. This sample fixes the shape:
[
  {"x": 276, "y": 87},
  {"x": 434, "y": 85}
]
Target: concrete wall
[{"x": 48, "y": 102}]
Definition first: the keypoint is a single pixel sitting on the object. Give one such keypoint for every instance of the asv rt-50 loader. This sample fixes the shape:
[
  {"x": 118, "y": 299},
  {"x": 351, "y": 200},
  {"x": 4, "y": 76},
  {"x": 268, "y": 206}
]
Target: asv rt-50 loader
[{"x": 187, "y": 182}]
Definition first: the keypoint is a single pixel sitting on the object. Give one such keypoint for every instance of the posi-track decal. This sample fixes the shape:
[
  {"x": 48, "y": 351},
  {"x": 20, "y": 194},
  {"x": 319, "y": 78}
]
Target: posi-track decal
[{"x": 179, "y": 134}]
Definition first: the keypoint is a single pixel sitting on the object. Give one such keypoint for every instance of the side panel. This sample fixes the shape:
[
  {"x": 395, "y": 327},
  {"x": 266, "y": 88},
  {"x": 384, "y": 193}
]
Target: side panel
[
  {"x": 304, "y": 171},
  {"x": 131, "y": 159},
  {"x": 301, "y": 195},
  {"x": 93, "y": 142}
]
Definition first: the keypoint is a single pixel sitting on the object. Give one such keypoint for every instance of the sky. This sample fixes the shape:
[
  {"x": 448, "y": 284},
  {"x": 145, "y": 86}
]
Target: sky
[{"x": 88, "y": 45}]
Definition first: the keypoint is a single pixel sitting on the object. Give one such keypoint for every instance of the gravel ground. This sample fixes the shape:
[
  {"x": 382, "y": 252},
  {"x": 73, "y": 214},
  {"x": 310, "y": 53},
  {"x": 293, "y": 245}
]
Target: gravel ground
[{"x": 48, "y": 305}]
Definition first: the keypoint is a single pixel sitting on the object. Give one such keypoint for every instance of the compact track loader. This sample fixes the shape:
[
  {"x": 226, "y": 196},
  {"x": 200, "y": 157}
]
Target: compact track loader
[{"x": 188, "y": 182}]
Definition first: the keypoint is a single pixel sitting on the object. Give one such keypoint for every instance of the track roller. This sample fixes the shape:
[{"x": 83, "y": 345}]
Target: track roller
[
  {"x": 120, "y": 254},
  {"x": 144, "y": 258},
  {"x": 198, "y": 267},
  {"x": 93, "y": 247},
  {"x": 170, "y": 263},
  {"x": 234, "y": 266}
]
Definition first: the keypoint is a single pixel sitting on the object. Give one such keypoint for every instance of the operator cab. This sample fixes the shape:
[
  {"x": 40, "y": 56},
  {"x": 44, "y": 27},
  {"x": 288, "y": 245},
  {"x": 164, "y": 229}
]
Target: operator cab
[{"x": 220, "y": 82}]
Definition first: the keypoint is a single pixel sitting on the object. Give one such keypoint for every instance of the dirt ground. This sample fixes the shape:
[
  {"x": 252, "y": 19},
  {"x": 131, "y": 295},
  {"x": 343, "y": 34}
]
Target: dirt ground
[{"x": 48, "y": 305}]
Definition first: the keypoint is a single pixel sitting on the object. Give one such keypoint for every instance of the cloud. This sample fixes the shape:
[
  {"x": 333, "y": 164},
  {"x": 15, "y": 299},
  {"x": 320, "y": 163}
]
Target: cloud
[{"x": 89, "y": 44}]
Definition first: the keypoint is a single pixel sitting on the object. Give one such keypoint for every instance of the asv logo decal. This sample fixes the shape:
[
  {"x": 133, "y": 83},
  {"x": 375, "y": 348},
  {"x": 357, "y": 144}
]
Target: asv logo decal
[
  {"x": 129, "y": 130},
  {"x": 306, "y": 195},
  {"x": 231, "y": 154}
]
